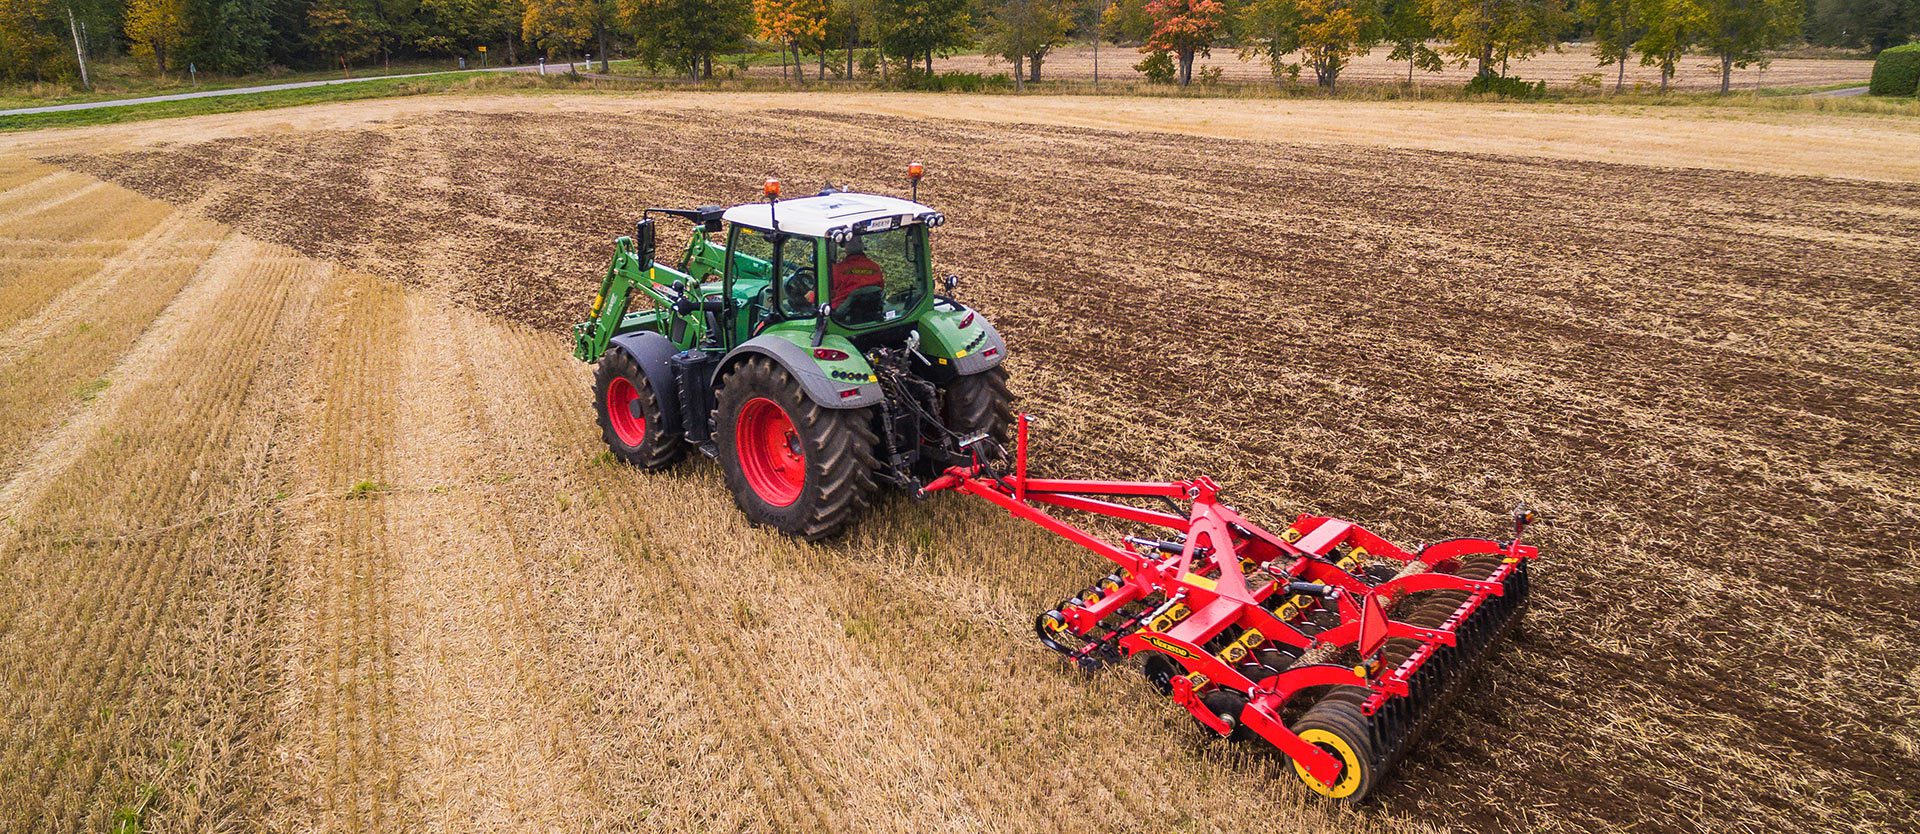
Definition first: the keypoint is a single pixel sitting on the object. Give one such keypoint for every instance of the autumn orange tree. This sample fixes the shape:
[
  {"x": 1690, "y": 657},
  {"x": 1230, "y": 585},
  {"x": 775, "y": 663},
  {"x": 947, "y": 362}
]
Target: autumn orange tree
[
  {"x": 793, "y": 24},
  {"x": 1185, "y": 29}
]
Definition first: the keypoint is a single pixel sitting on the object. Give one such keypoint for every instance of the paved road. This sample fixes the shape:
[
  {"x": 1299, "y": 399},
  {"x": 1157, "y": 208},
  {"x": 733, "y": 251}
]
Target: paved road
[
  {"x": 240, "y": 91},
  {"x": 1848, "y": 92}
]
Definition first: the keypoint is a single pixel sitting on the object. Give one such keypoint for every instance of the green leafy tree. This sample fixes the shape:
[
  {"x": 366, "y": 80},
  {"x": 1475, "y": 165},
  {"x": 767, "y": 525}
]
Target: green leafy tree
[
  {"x": 1668, "y": 29},
  {"x": 1739, "y": 32},
  {"x": 1490, "y": 33},
  {"x": 455, "y": 27},
  {"x": 1126, "y": 22},
  {"x": 570, "y": 26},
  {"x": 32, "y": 41},
  {"x": 1326, "y": 33},
  {"x": 686, "y": 34},
  {"x": 915, "y": 30},
  {"x": 156, "y": 29},
  {"x": 847, "y": 20},
  {"x": 1184, "y": 29},
  {"x": 343, "y": 30},
  {"x": 1874, "y": 24},
  {"x": 1405, "y": 25},
  {"x": 1024, "y": 31},
  {"x": 234, "y": 37},
  {"x": 1615, "y": 25}
]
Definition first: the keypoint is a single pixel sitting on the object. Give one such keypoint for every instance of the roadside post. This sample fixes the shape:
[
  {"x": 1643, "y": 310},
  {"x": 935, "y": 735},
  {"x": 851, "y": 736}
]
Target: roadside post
[{"x": 79, "y": 54}]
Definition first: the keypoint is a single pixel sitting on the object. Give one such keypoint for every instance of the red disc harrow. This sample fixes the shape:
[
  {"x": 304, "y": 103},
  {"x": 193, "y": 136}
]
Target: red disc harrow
[{"x": 1331, "y": 643}]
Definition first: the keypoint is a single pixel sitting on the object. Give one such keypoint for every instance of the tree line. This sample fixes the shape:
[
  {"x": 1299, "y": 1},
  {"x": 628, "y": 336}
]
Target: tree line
[{"x": 829, "y": 37}]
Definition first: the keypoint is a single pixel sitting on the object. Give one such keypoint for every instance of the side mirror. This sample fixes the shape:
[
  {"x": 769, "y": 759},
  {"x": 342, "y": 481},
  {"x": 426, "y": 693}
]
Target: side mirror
[
  {"x": 950, "y": 282},
  {"x": 643, "y": 241}
]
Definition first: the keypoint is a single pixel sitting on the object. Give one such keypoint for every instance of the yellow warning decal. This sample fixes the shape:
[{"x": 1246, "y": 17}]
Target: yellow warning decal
[{"x": 1165, "y": 645}]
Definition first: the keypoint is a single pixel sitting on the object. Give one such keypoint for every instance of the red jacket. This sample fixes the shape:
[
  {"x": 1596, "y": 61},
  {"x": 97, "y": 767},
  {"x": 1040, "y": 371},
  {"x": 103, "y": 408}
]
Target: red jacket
[{"x": 854, "y": 272}]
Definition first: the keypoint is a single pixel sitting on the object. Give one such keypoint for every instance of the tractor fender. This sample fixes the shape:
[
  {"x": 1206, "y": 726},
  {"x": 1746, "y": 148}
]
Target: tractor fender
[
  {"x": 650, "y": 351},
  {"x": 958, "y": 341},
  {"x": 798, "y": 360},
  {"x": 985, "y": 355}
]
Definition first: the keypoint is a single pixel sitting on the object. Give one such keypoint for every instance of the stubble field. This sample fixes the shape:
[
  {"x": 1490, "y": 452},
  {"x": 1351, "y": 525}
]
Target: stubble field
[{"x": 307, "y": 526}]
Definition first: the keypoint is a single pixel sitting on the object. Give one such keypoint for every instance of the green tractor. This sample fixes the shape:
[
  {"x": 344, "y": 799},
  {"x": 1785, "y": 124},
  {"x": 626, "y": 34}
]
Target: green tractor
[{"x": 804, "y": 345}]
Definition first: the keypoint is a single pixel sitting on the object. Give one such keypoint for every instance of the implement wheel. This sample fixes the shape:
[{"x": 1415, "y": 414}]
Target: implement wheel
[
  {"x": 631, "y": 421},
  {"x": 1338, "y": 727},
  {"x": 791, "y": 465}
]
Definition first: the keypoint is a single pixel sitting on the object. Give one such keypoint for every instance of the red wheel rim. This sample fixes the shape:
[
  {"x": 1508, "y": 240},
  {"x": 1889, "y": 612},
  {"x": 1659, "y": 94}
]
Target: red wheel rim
[
  {"x": 769, "y": 450},
  {"x": 631, "y": 428}
]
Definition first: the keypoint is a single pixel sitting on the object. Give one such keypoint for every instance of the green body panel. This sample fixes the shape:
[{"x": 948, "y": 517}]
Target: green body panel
[
  {"x": 854, "y": 369},
  {"x": 943, "y": 340},
  {"x": 632, "y": 299}
]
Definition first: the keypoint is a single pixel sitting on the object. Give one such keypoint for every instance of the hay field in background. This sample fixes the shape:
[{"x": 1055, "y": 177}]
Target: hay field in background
[{"x": 307, "y": 526}]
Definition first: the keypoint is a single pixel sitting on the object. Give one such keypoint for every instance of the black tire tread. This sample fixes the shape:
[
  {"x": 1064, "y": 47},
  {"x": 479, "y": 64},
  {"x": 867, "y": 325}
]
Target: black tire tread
[
  {"x": 1341, "y": 716},
  {"x": 840, "y": 459},
  {"x": 659, "y": 449},
  {"x": 981, "y": 402}
]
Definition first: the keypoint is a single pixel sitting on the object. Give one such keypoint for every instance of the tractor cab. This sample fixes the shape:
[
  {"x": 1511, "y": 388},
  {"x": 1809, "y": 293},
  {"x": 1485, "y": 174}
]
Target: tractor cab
[{"x": 861, "y": 260}]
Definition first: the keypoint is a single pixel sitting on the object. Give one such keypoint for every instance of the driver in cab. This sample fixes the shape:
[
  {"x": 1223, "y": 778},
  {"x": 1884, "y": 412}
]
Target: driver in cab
[{"x": 853, "y": 271}]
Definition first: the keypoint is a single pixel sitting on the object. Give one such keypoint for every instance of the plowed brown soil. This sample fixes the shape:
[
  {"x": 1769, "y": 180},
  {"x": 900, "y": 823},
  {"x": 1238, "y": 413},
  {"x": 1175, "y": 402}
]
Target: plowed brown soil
[{"x": 1708, "y": 379}]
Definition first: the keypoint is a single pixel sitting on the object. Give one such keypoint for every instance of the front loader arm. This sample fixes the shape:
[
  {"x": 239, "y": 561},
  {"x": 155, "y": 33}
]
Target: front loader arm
[{"x": 625, "y": 275}]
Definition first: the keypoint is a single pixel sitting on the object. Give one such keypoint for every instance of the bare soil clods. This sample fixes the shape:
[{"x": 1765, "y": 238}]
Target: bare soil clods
[{"x": 1708, "y": 379}]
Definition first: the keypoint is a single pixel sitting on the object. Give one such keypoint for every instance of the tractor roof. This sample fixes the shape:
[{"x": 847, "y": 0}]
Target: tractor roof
[{"x": 825, "y": 214}]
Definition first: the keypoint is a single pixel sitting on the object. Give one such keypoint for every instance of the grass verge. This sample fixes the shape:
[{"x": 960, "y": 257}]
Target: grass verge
[{"x": 380, "y": 88}]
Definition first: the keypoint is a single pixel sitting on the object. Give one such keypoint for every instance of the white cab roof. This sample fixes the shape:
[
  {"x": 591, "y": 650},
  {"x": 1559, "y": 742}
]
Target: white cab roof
[{"x": 815, "y": 216}]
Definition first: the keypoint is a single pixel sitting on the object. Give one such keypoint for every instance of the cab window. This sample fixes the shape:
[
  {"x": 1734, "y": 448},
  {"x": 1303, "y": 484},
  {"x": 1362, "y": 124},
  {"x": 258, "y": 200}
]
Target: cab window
[
  {"x": 793, "y": 282},
  {"x": 878, "y": 277}
]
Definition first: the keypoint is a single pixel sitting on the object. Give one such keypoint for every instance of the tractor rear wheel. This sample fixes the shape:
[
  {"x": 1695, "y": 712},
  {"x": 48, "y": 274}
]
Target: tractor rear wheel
[
  {"x": 791, "y": 464},
  {"x": 631, "y": 420},
  {"x": 981, "y": 403}
]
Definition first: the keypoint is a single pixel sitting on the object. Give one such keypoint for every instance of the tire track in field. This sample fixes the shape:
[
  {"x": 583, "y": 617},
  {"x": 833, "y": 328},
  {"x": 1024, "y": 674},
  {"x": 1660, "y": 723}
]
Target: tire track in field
[
  {"x": 181, "y": 240},
  {"x": 135, "y": 562},
  {"x": 58, "y": 360},
  {"x": 17, "y": 171},
  {"x": 699, "y": 697},
  {"x": 37, "y": 189},
  {"x": 339, "y": 764},
  {"x": 492, "y": 748}
]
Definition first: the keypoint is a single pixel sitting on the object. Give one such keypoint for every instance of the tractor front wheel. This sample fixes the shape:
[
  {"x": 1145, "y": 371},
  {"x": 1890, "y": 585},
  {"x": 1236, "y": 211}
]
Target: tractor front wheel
[
  {"x": 631, "y": 420},
  {"x": 791, "y": 464}
]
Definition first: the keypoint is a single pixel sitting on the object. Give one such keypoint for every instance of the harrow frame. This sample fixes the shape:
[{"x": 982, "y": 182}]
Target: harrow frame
[{"x": 1224, "y": 571}]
